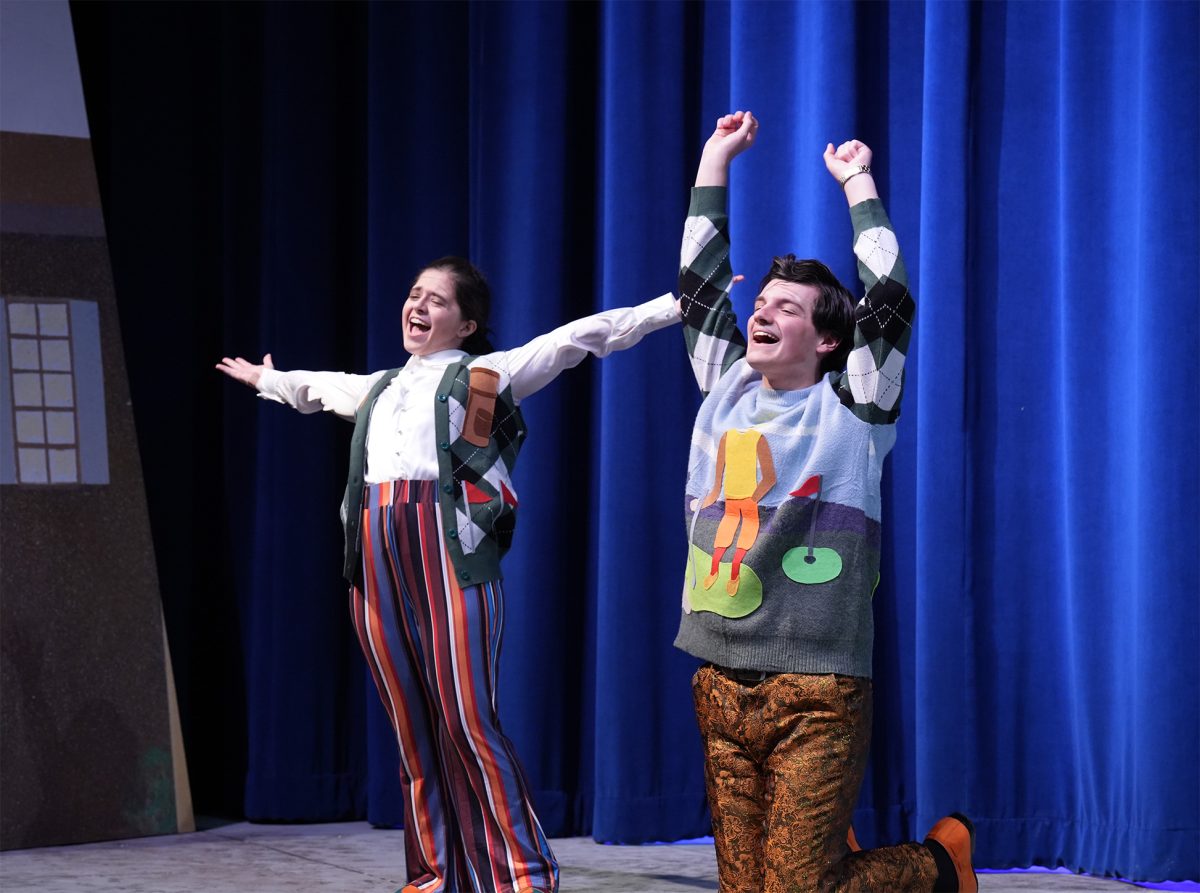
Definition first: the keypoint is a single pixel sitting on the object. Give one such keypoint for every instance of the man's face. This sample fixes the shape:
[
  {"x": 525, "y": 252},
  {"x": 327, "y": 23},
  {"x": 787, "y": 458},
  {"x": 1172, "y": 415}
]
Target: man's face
[
  {"x": 431, "y": 318},
  {"x": 783, "y": 344}
]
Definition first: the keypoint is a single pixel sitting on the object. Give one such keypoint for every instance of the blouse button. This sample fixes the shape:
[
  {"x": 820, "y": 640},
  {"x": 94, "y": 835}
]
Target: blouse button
[
  {"x": 443, "y": 446},
  {"x": 447, "y": 488},
  {"x": 441, "y": 398},
  {"x": 453, "y": 534},
  {"x": 464, "y": 576}
]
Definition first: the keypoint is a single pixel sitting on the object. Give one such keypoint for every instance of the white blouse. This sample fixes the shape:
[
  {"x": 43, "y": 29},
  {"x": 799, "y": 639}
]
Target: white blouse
[{"x": 402, "y": 442}]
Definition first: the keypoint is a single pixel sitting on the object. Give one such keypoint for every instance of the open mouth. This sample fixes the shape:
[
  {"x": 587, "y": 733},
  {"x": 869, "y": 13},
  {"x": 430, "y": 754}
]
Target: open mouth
[
  {"x": 416, "y": 327},
  {"x": 761, "y": 337}
]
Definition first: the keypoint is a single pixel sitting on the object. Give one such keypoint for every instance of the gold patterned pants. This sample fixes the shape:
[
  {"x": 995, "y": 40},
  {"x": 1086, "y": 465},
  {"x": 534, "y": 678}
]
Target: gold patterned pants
[{"x": 783, "y": 760}]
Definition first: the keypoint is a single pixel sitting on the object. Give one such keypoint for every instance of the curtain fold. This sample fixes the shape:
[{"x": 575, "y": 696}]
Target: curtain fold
[
  {"x": 283, "y": 171},
  {"x": 639, "y": 402}
]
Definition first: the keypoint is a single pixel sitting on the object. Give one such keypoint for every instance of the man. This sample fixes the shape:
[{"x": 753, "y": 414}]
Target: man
[{"x": 784, "y": 698}]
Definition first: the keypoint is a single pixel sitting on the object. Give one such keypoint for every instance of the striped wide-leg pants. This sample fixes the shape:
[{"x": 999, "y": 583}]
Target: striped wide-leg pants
[{"x": 434, "y": 650}]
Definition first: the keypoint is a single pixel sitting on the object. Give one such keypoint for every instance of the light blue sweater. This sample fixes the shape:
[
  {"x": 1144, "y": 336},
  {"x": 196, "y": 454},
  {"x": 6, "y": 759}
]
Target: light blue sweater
[{"x": 802, "y": 600}]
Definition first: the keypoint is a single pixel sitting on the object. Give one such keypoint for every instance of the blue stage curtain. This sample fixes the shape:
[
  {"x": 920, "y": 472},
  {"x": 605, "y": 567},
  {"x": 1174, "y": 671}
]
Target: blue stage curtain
[{"x": 1038, "y": 619}]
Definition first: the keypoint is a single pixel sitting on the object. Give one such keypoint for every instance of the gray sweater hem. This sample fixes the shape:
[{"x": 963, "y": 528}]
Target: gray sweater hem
[{"x": 773, "y": 655}]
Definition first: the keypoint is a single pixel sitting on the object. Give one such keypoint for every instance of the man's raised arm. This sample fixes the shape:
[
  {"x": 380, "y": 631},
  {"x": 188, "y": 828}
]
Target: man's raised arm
[
  {"x": 705, "y": 274},
  {"x": 874, "y": 376}
]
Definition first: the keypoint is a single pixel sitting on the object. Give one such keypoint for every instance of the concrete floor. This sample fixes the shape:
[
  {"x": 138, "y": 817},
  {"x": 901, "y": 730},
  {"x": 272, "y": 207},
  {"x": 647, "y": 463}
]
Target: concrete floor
[{"x": 353, "y": 856}]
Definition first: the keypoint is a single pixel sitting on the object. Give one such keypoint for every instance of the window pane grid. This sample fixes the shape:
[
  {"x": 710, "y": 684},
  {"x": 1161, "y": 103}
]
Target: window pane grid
[{"x": 45, "y": 427}]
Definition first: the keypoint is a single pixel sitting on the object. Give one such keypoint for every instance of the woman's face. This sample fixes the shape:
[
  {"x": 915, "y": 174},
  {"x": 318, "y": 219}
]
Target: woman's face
[{"x": 431, "y": 318}]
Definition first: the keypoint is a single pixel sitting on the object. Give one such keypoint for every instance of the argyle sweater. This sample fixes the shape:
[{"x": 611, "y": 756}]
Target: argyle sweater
[
  {"x": 802, "y": 599},
  {"x": 478, "y": 442}
]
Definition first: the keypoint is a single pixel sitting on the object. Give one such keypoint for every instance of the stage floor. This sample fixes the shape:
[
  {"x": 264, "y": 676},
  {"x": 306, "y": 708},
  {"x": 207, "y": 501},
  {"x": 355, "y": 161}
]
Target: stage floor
[{"x": 353, "y": 856}]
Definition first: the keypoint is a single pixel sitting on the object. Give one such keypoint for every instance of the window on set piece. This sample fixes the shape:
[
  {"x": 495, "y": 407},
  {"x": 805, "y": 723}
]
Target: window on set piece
[{"x": 53, "y": 393}]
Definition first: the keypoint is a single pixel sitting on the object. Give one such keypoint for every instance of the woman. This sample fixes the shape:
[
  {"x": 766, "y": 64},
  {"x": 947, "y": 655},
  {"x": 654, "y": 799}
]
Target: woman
[{"x": 429, "y": 511}]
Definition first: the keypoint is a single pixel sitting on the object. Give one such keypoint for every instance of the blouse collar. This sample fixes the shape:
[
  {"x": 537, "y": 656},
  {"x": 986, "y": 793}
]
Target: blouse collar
[{"x": 435, "y": 360}]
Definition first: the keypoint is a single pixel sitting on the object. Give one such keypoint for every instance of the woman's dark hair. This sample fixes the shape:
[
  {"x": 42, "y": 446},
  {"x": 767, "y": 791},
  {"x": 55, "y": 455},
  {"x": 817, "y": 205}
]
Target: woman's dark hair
[
  {"x": 833, "y": 310},
  {"x": 473, "y": 295}
]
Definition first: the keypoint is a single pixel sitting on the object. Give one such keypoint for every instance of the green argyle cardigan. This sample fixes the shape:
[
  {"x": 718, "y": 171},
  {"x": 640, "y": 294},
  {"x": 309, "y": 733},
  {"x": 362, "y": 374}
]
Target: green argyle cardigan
[{"x": 477, "y": 521}]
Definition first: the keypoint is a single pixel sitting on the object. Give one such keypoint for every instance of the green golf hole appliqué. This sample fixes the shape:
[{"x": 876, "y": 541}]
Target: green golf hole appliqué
[{"x": 821, "y": 566}]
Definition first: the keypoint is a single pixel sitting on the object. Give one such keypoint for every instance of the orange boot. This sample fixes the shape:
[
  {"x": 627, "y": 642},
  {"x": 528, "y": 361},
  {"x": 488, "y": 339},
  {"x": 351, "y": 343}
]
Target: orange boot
[
  {"x": 952, "y": 842},
  {"x": 852, "y": 841}
]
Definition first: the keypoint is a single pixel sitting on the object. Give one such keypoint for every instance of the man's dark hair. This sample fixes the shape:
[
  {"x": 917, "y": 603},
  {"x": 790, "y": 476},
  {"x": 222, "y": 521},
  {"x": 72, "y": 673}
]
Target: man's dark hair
[
  {"x": 833, "y": 310},
  {"x": 473, "y": 295}
]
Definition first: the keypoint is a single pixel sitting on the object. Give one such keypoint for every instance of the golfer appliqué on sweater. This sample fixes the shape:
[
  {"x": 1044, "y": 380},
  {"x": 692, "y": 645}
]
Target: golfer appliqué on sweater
[{"x": 745, "y": 473}]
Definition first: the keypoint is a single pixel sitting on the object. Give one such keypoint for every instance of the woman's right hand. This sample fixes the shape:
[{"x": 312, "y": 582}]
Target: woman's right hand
[{"x": 245, "y": 371}]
